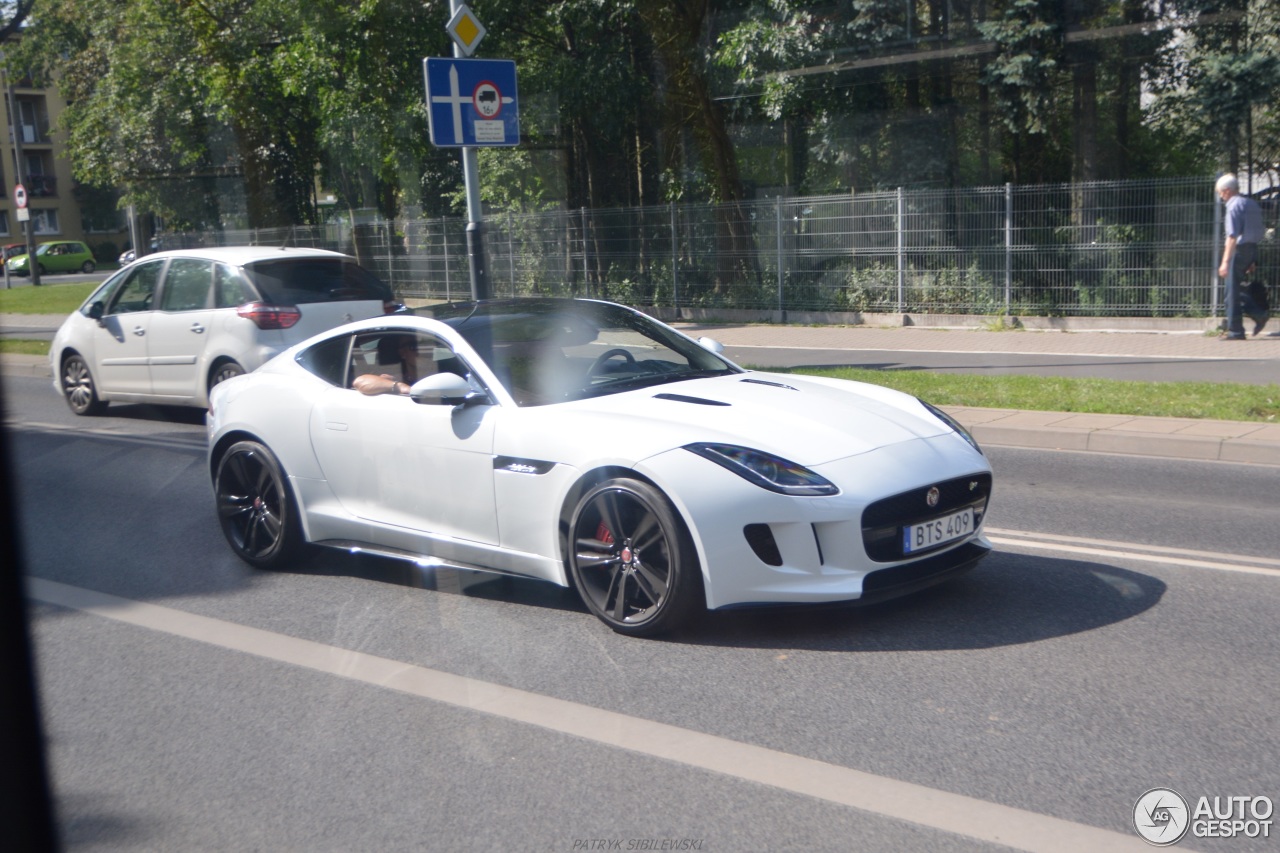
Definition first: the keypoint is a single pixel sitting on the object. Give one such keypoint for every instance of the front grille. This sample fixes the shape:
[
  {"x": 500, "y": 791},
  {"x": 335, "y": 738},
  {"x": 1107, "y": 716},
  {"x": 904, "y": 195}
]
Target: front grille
[{"x": 882, "y": 521}]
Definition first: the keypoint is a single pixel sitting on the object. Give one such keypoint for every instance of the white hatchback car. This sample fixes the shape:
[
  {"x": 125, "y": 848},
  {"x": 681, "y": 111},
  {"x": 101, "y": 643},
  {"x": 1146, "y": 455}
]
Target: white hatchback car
[{"x": 170, "y": 326}]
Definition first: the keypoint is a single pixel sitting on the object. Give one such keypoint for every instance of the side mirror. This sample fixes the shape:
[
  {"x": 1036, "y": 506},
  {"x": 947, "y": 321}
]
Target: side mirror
[
  {"x": 711, "y": 344},
  {"x": 441, "y": 389},
  {"x": 96, "y": 310}
]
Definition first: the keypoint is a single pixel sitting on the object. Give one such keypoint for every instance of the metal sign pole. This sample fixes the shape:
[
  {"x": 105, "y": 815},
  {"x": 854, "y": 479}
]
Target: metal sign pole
[{"x": 480, "y": 288}]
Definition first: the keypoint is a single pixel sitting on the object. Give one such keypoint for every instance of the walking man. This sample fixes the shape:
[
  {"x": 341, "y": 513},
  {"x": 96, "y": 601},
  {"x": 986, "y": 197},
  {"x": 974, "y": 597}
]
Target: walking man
[{"x": 1243, "y": 228}]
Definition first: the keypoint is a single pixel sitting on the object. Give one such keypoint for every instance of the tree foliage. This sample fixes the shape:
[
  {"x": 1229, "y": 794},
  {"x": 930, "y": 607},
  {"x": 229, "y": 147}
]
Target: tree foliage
[{"x": 237, "y": 111}]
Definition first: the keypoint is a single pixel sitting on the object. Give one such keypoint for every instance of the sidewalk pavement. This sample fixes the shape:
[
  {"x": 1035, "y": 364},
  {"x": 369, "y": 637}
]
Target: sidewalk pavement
[{"x": 1180, "y": 438}]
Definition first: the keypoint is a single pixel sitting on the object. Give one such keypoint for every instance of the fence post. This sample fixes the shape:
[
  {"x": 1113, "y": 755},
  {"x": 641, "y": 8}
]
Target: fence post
[
  {"x": 1008, "y": 247},
  {"x": 586, "y": 262},
  {"x": 675, "y": 261},
  {"x": 1213, "y": 257},
  {"x": 511, "y": 253},
  {"x": 444, "y": 239},
  {"x": 902, "y": 267},
  {"x": 781, "y": 260}
]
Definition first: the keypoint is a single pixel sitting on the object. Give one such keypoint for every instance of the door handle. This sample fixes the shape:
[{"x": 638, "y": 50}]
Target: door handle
[
  {"x": 197, "y": 328},
  {"x": 139, "y": 331}
]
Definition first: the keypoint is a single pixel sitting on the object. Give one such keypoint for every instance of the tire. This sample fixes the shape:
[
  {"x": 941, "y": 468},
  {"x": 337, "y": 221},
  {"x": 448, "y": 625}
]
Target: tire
[
  {"x": 43, "y": 271},
  {"x": 78, "y": 388},
  {"x": 258, "y": 514},
  {"x": 632, "y": 560},
  {"x": 224, "y": 371},
  {"x": 87, "y": 267}
]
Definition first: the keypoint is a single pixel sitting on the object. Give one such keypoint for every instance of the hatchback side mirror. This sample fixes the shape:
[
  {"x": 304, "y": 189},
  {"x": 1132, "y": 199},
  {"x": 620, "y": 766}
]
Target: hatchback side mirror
[{"x": 96, "y": 310}]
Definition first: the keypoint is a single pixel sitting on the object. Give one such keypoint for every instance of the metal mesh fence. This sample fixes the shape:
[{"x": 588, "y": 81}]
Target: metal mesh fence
[{"x": 1134, "y": 248}]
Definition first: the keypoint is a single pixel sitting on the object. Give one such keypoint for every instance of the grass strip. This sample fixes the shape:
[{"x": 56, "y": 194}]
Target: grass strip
[
  {"x": 22, "y": 346},
  {"x": 1226, "y": 401},
  {"x": 47, "y": 299}
]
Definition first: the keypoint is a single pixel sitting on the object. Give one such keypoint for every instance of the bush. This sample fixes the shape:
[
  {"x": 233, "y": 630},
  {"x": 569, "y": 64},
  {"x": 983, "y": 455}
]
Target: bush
[{"x": 106, "y": 252}]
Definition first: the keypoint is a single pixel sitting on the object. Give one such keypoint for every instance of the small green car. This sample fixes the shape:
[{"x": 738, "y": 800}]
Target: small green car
[{"x": 55, "y": 256}]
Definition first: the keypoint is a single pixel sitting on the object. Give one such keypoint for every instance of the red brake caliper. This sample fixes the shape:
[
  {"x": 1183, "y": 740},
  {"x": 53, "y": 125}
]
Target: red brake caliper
[{"x": 603, "y": 534}]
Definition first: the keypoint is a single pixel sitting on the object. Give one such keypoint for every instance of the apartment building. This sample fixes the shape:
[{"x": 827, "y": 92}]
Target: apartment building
[{"x": 59, "y": 208}]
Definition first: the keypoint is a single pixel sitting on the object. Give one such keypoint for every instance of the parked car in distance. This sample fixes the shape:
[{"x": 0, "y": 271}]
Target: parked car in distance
[
  {"x": 170, "y": 326},
  {"x": 55, "y": 256},
  {"x": 12, "y": 250},
  {"x": 586, "y": 444},
  {"x": 127, "y": 257}
]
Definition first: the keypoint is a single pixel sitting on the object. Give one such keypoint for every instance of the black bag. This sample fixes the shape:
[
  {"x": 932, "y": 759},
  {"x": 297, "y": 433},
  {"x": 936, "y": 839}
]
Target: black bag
[{"x": 1255, "y": 292}]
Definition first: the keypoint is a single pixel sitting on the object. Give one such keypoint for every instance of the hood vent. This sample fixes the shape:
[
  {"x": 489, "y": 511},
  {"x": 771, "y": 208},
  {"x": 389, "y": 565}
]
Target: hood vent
[
  {"x": 771, "y": 384},
  {"x": 681, "y": 398}
]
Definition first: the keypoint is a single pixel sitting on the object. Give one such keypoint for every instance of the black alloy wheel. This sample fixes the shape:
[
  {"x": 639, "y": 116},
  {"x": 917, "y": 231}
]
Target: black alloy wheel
[
  {"x": 78, "y": 387},
  {"x": 259, "y": 517},
  {"x": 632, "y": 560}
]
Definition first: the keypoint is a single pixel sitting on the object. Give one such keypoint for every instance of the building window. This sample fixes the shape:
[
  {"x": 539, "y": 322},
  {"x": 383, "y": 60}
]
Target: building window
[
  {"x": 4, "y": 223},
  {"x": 45, "y": 222}
]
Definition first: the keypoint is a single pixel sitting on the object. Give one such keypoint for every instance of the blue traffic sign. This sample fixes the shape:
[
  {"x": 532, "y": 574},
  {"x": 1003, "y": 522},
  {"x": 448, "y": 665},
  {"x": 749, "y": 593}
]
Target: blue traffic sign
[{"x": 472, "y": 102}]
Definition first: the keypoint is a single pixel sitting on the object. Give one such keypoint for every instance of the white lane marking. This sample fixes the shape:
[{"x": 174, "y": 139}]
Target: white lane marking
[
  {"x": 168, "y": 441},
  {"x": 1131, "y": 551},
  {"x": 880, "y": 795}
]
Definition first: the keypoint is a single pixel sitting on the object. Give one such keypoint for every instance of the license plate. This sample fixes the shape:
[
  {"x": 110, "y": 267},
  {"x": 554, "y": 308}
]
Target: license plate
[{"x": 918, "y": 537}]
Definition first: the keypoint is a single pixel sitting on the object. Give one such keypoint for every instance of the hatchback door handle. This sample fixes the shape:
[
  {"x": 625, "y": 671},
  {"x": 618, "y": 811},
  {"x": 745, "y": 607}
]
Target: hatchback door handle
[
  {"x": 139, "y": 331},
  {"x": 197, "y": 328}
]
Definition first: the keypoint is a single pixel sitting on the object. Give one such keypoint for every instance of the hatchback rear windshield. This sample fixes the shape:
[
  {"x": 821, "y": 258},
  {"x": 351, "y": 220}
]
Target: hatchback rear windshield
[{"x": 293, "y": 281}]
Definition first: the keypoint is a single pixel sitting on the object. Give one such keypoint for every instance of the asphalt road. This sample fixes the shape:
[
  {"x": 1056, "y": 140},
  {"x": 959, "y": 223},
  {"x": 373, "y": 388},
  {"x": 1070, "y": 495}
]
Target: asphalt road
[{"x": 1122, "y": 638}]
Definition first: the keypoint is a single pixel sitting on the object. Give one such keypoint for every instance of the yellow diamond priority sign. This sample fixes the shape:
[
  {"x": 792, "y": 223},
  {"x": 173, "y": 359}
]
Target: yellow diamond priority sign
[{"x": 465, "y": 30}]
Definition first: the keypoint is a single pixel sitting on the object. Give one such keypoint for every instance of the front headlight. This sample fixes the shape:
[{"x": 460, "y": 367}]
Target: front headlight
[
  {"x": 953, "y": 423},
  {"x": 766, "y": 470}
]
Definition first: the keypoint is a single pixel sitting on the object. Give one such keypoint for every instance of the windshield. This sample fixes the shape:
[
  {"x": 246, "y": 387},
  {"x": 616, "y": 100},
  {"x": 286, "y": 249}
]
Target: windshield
[{"x": 554, "y": 350}]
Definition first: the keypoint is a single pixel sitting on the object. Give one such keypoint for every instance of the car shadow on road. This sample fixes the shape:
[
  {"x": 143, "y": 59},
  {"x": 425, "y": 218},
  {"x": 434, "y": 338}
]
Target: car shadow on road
[
  {"x": 147, "y": 412},
  {"x": 1009, "y": 599},
  {"x": 444, "y": 579}
]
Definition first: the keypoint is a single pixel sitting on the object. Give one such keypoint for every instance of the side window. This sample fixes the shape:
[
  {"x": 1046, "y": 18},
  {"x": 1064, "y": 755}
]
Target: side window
[
  {"x": 230, "y": 288},
  {"x": 404, "y": 356},
  {"x": 136, "y": 292},
  {"x": 328, "y": 359},
  {"x": 186, "y": 285}
]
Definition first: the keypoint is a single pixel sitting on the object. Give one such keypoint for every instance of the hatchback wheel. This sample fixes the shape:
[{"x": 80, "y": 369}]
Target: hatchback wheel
[
  {"x": 87, "y": 267},
  {"x": 78, "y": 387},
  {"x": 632, "y": 559},
  {"x": 224, "y": 371},
  {"x": 259, "y": 517}
]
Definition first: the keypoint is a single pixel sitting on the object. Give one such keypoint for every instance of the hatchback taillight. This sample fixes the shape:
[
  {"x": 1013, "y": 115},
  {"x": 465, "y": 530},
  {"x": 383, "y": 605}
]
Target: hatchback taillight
[
  {"x": 270, "y": 316},
  {"x": 393, "y": 307}
]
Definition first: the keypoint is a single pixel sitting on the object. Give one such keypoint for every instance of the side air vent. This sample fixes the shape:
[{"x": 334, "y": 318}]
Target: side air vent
[
  {"x": 760, "y": 538},
  {"x": 681, "y": 398}
]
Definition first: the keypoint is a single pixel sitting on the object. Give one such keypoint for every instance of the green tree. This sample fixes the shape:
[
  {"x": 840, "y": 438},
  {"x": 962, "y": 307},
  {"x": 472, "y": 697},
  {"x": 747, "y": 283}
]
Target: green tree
[{"x": 1218, "y": 85}]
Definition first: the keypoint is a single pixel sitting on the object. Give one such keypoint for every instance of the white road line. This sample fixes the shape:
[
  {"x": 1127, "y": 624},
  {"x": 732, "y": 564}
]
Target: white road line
[
  {"x": 891, "y": 798},
  {"x": 1130, "y": 551}
]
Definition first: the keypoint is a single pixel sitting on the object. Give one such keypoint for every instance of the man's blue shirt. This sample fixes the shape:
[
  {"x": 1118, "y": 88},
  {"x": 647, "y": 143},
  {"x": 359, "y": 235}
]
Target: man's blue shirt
[{"x": 1243, "y": 220}]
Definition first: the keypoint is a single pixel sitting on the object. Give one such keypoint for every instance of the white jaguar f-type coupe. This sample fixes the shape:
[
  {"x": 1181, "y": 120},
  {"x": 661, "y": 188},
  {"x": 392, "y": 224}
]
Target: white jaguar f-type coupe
[{"x": 586, "y": 444}]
